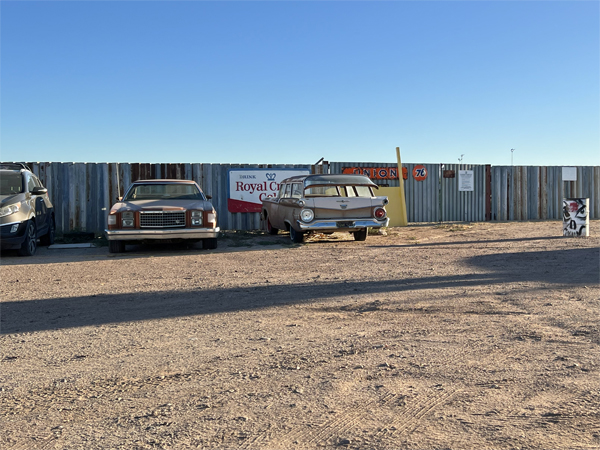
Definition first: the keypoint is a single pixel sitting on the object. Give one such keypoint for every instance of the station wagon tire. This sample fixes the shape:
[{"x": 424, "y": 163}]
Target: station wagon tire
[
  {"x": 30, "y": 243},
  {"x": 116, "y": 247},
  {"x": 209, "y": 244},
  {"x": 270, "y": 228},
  {"x": 48, "y": 238},
  {"x": 296, "y": 236},
  {"x": 360, "y": 235}
]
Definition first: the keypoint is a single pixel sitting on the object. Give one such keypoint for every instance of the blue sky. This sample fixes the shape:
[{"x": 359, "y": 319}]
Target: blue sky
[{"x": 291, "y": 82}]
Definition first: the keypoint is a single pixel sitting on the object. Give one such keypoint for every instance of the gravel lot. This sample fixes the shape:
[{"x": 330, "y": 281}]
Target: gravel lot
[{"x": 481, "y": 336}]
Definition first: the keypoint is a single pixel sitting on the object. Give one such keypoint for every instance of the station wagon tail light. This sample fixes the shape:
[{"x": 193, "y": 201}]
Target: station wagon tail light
[
  {"x": 307, "y": 215},
  {"x": 379, "y": 213},
  {"x": 196, "y": 218},
  {"x": 127, "y": 219}
]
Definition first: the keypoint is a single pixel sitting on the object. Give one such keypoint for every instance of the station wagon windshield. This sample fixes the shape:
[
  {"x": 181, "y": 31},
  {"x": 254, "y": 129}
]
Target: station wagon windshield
[{"x": 163, "y": 191}]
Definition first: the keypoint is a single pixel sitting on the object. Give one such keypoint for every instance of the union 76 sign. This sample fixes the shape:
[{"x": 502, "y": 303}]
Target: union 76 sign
[{"x": 419, "y": 172}]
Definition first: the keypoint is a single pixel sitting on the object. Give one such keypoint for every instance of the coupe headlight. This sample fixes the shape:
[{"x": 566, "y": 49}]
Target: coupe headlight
[
  {"x": 127, "y": 219},
  {"x": 10, "y": 209},
  {"x": 307, "y": 215},
  {"x": 196, "y": 218}
]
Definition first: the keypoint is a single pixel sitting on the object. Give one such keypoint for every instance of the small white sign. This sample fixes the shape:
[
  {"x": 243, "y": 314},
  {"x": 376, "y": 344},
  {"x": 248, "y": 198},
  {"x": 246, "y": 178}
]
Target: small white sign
[
  {"x": 569, "y": 173},
  {"x": 466, "y": 181}
]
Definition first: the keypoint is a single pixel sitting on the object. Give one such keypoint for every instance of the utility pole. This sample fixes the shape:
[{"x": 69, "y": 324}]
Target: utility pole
[{"x": 512, "y": 150}]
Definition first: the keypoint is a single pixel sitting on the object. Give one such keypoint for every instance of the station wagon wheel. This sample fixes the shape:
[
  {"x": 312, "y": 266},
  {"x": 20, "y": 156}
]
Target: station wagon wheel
[
  {"x": 296, "y": 236},
  {"x": 116, "y": 247},
  {"x": 270, "y": 228},
  {"x": 30, "y": 244},
  {"x": 360, "y": 235}
]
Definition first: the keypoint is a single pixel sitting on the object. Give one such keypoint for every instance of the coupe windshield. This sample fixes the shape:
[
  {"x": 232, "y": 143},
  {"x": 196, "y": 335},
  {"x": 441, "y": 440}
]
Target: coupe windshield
[
  {"x": 11, "y": 183},
  {"x": 164, "y": 191}
]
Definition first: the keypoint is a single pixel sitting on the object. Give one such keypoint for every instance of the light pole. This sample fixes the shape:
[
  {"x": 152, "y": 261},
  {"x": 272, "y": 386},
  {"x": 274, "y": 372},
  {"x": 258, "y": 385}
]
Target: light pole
[
  {"x": 461, "y": 158},
  {"x": 512, "y": 150}
]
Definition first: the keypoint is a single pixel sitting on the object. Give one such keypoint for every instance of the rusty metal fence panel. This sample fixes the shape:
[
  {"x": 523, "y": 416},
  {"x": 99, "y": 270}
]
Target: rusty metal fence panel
[
  {"x": 83, "y": 193},
  {"x": 435, "y": 199},
  {"x": 536, "y": 193}
]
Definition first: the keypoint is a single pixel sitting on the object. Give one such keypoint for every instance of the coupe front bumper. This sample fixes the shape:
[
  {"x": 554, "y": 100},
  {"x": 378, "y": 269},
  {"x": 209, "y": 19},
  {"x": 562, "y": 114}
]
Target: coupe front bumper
[
  {"x": 144, "y": 235},
  {"x": 342, "y": 225}
]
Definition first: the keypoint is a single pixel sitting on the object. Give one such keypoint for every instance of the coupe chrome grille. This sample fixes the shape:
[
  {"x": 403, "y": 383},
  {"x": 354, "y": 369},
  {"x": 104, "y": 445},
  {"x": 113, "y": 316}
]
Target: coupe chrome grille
[{"x": 162, "y": 219}]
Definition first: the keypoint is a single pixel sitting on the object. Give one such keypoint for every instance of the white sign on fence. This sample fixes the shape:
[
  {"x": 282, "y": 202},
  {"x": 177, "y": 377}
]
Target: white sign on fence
[
  {"x": 465, "y": 181},
  {"x": 248, "y": 187},
  {"x": 569, "y": 173}
]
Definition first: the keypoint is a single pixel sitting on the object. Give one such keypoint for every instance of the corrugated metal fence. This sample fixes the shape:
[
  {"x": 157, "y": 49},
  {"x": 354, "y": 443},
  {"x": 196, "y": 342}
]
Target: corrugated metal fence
[
  {"x": 534, "y": 192},
  {"x": 82, "y": 193},
  {"x": 436, "y": 198}
]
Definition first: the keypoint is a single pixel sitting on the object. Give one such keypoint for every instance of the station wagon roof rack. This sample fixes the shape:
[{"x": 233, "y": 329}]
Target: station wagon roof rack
[{"x": 14, "y": 166}]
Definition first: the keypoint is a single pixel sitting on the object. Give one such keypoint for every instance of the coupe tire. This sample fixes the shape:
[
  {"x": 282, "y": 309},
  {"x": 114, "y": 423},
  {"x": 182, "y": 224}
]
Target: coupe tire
[
  {"x": 270, "y": 228},
  {"x": 296, "y": 236},
  {"x": 116, "y": 247},
  {"x": 209, "y": 244},
  {"x": 30, "y": 243},
  {"x": 360, "y": 235},
  {"x": 48, "y": 238}
]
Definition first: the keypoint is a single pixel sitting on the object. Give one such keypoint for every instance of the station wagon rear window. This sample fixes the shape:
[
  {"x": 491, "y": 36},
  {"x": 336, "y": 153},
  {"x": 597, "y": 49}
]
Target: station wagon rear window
[{"x": 338, "y": 191}]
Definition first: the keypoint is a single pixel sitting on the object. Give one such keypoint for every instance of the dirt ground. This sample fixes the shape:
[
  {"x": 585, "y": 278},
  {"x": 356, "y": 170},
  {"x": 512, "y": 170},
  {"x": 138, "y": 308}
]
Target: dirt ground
[{"x": 479, "y": 336}]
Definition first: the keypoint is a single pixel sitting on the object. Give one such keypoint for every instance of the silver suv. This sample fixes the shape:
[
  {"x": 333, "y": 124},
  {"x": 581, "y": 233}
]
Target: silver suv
[{"x": 26, "y": 213}]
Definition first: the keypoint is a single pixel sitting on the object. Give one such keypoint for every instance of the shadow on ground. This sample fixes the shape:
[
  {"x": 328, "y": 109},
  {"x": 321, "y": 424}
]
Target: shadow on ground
[{"x": 550, "y": 267}]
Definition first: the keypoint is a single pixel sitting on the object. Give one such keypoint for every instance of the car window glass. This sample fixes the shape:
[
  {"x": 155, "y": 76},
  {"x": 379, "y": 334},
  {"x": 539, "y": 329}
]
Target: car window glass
[
  {"x": 288, "y": 190},
  {"x": 30, "y": 184},
  {"x": 11, "y": 183},
  {"x": 350, "y": 191},
  {"x": 364, "y": 191},
  {"x": 281, "y": 191},
  {"x": 321, "y": 191},
  {"x": 37, "y": 182},
  {"x": 164, "y": 191},
  {"x": 296, "y": 190}
]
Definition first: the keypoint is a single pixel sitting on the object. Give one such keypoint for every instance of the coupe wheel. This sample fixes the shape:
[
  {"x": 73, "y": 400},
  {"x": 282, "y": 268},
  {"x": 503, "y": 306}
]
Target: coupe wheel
[
  {"x": 116, "y": 247},
  {"x": 30, "y": 243},
  {"x": 209, "y": 244},
  {"x": 296, "y": 236},
  {"x": 360, "y": 235}
]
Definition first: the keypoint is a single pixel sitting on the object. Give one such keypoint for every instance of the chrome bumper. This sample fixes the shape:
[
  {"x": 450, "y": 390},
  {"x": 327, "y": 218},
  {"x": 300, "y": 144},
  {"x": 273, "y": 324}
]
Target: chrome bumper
[
  {"x": 141, "y": 235},
  {"x": 333, "y": 225}
]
